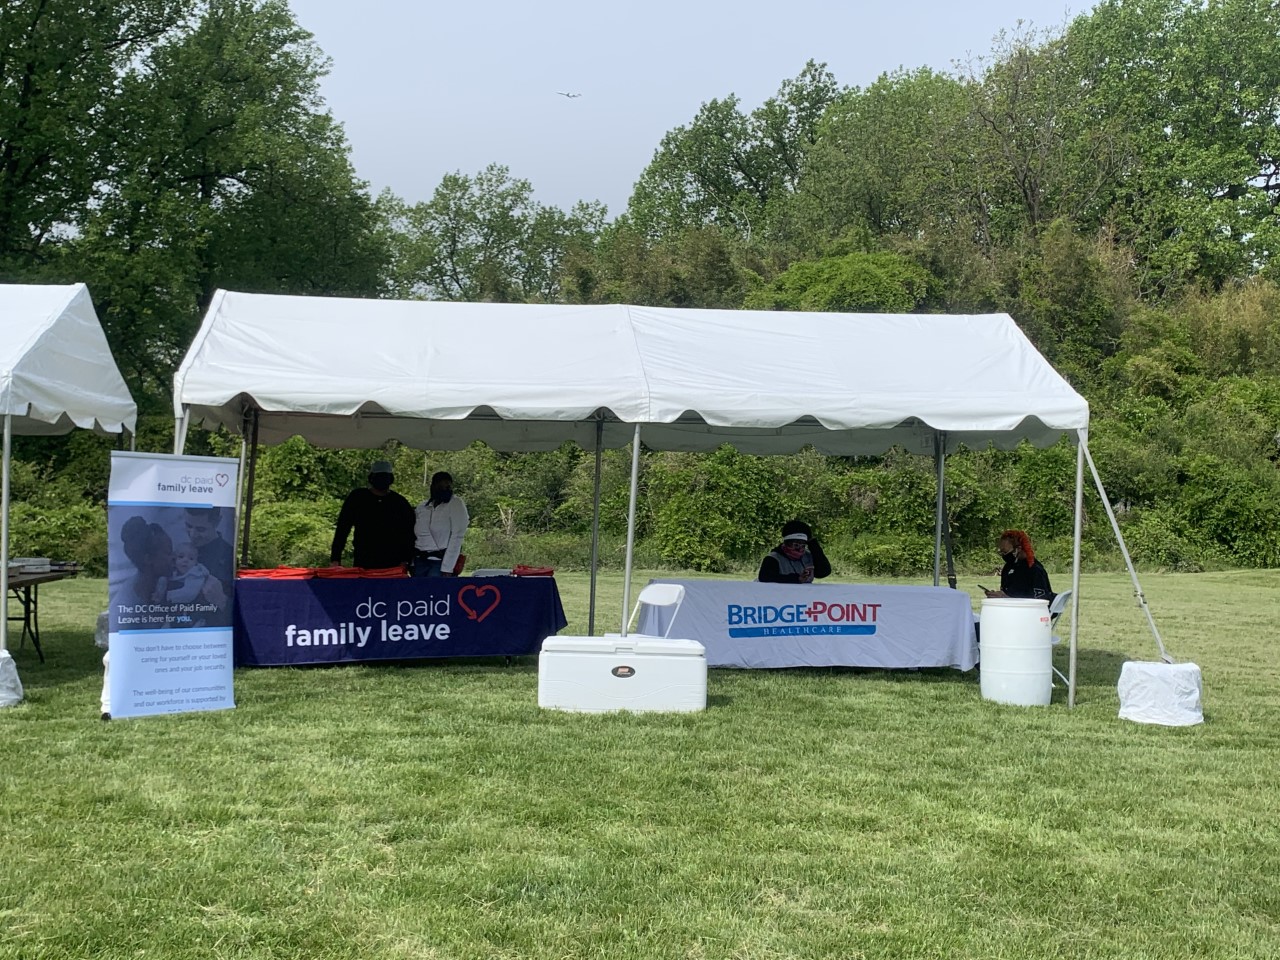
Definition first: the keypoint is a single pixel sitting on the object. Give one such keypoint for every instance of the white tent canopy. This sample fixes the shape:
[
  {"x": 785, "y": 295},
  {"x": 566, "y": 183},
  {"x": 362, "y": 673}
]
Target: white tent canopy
[
  {"x": 56, "y": 374},
  {"x": 356, "y": 373},
  {"x": 437, "y": 376},
  {"x": 56, "y": 370}
]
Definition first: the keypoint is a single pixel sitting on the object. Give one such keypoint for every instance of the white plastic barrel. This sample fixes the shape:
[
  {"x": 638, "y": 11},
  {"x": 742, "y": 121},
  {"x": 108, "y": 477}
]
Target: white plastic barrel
[{"x": 1016, "y": 651}]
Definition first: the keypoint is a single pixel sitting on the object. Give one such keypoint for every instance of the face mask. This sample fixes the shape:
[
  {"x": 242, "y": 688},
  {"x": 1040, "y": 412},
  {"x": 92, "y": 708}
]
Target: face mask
[
  {"x": 442, "y": 496},
  {"x": 380, "y": 482},
  {"x": 1009, "y": 557}
]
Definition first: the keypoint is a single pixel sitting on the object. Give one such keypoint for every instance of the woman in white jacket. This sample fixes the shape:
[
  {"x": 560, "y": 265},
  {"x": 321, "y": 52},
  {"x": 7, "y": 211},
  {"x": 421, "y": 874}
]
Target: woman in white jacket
[{"x": 439, "y": 526}]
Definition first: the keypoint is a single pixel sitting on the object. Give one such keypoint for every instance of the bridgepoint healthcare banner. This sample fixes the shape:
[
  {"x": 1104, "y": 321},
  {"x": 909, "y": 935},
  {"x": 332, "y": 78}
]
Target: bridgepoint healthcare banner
[
  {"x": 171, "y": 571},
  {"x": 747, "y": 624}
]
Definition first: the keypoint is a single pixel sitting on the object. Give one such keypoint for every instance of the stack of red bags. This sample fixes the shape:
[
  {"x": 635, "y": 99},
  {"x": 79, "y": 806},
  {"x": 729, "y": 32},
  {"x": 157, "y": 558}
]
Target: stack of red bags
[
  {"x": 324, "y": 573},
  {"x": 520, "y": 570},
  {"x": 352, "y": 573},
  {"x": 278, "y": 573},
  {"x": 390, "y": 573}
]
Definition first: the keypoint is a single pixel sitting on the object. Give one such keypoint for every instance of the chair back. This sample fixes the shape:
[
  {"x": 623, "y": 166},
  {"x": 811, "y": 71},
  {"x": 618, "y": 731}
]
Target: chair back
[
  {"x": 659, "y": 595},
  {"x": 1055, "y": 611}
]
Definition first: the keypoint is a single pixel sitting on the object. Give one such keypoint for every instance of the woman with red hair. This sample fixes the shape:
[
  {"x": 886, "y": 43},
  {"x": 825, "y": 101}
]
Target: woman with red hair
[{"x": 1022, "y": 575}]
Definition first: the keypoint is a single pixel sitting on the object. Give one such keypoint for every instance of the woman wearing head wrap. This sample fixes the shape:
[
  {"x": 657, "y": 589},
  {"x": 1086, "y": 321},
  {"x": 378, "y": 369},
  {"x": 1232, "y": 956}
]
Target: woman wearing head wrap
[
  {"x": 1023, "y": 575},
  {"x": 797, "y": 559}
]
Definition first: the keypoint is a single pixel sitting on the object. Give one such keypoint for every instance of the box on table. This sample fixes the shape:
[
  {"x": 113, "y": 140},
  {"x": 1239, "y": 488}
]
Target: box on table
[{"x": 636, "y": 673}]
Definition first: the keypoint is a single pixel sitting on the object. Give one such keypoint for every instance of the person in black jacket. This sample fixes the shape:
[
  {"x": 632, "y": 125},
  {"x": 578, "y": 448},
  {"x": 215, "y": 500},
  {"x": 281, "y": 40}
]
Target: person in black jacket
[
  {"x": 797, "y": 559},
  {"x": 382, "y": 521},
  {"x": 1022, "y": 576}
]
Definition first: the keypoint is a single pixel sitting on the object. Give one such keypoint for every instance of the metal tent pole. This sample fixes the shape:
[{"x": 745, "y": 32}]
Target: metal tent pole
[
  {"x": 595, "y": 527},
  {"x": 248, "y": 489},
  {"x": 631, "y": 527},
  {"x": 1124, "y": 550},
  {"x": 180, "y": 430},
  {"x": 4, "y": 534},
  {"x": 1075, "y": 567},
  {"x": 940, "y": 466}
]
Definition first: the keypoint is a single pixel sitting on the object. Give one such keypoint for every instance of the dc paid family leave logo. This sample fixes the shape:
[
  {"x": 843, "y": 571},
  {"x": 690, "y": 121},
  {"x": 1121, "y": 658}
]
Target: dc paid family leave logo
[
  {"x": 189, "y": 483},
  {"x": 384, "y": 621},
  {"x": 817, "y": 618}
]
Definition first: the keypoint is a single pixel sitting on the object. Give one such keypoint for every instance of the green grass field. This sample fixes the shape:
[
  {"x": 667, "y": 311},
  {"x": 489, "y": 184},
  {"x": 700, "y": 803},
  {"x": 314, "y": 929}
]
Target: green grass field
[{"x": 433, "y": 811}]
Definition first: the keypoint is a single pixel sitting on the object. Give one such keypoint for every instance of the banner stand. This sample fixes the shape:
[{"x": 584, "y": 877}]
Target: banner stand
[{"x": 171, "y": 522}]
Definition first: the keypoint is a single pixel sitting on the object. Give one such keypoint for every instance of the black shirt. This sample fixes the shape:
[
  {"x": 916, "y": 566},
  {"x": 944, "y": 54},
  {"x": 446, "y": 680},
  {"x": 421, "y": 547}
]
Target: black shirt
[
  {"x": 773, "y": 565},
  {"x": 383, "y": 529},
  {"x": 1017, "y": 579}
]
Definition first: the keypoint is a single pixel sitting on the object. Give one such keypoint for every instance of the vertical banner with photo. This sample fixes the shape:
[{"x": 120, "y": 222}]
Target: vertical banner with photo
[{"x": 171, "y": 568}]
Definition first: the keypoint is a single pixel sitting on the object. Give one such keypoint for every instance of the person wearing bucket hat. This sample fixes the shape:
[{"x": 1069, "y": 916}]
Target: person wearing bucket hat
[
  {"x": 382, "y": 521},
  {"x": 797, "y": 559}
]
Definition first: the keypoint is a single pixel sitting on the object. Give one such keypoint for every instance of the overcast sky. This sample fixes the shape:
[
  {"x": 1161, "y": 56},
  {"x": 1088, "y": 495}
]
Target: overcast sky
[{"x": 426, "y": 88}]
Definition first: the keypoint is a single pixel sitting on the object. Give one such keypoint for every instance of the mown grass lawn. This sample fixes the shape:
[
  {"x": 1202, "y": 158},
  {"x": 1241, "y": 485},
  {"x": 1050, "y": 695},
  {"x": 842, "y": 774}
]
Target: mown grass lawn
[{"x": 434, "y": 811}]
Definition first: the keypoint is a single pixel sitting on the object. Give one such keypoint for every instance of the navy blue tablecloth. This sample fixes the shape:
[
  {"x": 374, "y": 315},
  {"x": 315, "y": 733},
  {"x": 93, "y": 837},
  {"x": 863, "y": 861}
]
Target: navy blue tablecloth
[{"x": 279, "y": 622}]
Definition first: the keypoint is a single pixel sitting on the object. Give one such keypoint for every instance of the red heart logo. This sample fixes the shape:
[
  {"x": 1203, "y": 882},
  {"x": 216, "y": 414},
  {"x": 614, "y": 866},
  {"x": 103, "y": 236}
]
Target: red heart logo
[
  {"x": 475, "y": 613},
  {"x": 222, "y": 479}
]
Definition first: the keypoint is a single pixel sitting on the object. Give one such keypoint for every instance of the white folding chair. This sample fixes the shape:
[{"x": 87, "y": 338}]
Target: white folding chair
[
  {"x": 659, "y": 595},
  {"x": 1056, "y": 608},
  {"x": 1055, "y": 611}
]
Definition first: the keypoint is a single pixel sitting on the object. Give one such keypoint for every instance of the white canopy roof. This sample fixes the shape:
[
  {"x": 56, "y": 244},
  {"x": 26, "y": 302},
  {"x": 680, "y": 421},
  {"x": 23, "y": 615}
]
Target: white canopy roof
[
  {"x": 437, "y": 375},
  {"x": 56, "y": 370}
]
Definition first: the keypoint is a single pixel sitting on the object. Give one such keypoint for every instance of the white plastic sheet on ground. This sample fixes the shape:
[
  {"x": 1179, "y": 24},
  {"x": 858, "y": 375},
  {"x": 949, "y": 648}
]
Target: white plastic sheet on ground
[
  {"x": 10, "y": 685},
  {"x": 1168, "y": 694}
]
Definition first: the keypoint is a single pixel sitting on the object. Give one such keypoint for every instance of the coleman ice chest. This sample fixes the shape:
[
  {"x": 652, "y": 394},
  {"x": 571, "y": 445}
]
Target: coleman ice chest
[{"x": 636, "y": 673}]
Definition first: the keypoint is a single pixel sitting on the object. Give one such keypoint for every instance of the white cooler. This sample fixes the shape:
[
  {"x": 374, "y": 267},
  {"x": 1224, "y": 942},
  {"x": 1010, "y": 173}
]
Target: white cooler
[{"x": 637, "y": 673}]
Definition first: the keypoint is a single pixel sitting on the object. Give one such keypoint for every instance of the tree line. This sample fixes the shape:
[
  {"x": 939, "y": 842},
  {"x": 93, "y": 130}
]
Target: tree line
[{"x": 1112, "y": 184}]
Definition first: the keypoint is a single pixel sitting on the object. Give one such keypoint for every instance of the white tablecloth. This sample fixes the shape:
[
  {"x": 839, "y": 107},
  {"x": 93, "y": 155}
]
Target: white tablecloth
[{"x": 747, "y": 624}]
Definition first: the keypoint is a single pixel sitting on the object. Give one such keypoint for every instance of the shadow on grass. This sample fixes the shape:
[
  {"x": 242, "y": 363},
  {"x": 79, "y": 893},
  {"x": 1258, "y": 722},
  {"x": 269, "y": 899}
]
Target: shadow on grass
[
  {"x": 895, "y": 675},
  {"x": 482, "y": 665},
  {"x": 69, "y": 658},
  {"x": 1093, "y": 667}
]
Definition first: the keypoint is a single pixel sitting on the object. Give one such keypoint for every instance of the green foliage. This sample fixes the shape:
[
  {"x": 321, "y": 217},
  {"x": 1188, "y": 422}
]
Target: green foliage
[
  {"x": 1069, "y": 301},
  {"x": 76, "y": 531},
  {"x": 160, "y": 149},
  {"x": 296, "y": 470},
  {"x": 1235, "y": 504},
  {"x": 691, "y": 267},
  {"x": 294, "y": 534},
  {"x": 575, "y": 512},
  {"x": 484, "y": 238},
  {"x": 882, "y": 159},
  {"x": 708, "y": 512},
  {"x": 725, "y": 167},
  {"x": 881, "y": 555},
  {"x": 854, "y": 283},
  {"x": 895, "y": 496},
  {"x": 1190, "y": 93},
  {"x": 62, "y": 110},
  {"x": 1162, "y": 539}
]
